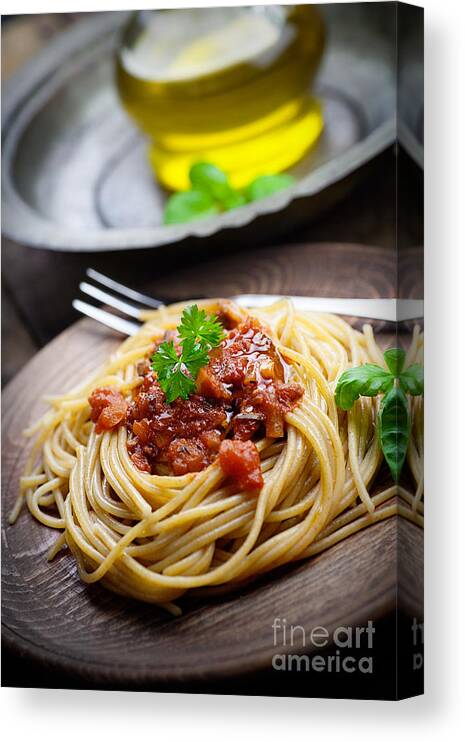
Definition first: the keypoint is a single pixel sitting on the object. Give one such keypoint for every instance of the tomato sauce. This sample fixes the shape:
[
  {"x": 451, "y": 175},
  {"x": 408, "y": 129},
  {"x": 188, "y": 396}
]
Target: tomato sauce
[{"x": 242, "y": 394}]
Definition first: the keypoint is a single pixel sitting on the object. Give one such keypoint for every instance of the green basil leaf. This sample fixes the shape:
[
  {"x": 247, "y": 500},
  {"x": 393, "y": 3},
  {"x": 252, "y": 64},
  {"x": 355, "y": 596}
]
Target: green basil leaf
[
  {"x": 394, "y": 429},
  {"x": 267, "y": 185},
  {"x": 395, "y": 359},
  {"x": 208, "y": 178},
  {"x": 361, "y": 381},
  {"x": 189, "y": 205},
  {"x": 411, "y": 380},
  {"x": 233, "y": 200}
]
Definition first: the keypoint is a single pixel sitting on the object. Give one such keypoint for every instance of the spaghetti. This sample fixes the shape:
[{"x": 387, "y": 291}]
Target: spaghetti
[{"x": 153, "y": 535}]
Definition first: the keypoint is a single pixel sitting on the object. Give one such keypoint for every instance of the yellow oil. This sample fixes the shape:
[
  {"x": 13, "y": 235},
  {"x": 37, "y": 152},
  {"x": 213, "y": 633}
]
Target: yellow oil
[{"x": 228, "y": 85}]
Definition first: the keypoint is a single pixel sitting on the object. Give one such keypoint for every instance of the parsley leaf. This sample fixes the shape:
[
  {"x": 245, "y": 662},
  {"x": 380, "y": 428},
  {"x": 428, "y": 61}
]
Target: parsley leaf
[
  {"x": 176, "y": 384},
  {"x": 164, "y": 358},
  {"x": 177, "y": 370},
  {"x": 195, "y": 325},
  {"x": 194, "y": 356},
  {"x": 170, "y": 369}
]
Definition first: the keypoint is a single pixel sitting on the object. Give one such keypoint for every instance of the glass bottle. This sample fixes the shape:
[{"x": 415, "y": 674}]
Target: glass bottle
[{"x": 231, "y": 86}]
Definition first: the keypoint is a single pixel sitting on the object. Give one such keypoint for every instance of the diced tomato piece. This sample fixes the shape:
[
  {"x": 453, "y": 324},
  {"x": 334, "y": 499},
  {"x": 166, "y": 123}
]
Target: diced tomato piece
[
  {"x": 210, "y": 386},
  {"x": 288, "y": 394},
  {"x": 241, "y": 461},
  {"x": 141, "y": 428},
  {"x": 185, "y": 456},
  {"x": 245, "y": 428},
  {"x": 211, "y": 439},
  {"x": 140, "y": 460},
  {"x": 108, "y": 408}
]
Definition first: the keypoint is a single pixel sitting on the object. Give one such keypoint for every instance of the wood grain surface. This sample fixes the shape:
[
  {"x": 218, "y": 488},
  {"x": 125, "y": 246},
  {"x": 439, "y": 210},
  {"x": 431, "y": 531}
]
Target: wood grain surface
[
  {"x": 50, "y": 615},
  {"x": 42, "y": 284}
]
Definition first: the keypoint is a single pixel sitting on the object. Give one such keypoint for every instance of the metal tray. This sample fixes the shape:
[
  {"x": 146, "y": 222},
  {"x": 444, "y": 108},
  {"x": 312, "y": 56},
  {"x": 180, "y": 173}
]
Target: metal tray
[{"x": 75, "y": 175}]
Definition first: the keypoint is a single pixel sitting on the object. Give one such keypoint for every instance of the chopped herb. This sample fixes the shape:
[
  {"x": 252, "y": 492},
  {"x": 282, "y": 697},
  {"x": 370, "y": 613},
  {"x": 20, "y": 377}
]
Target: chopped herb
[
  {"x": 177, "y": 371},
  {"x": 195, "y": 325}
]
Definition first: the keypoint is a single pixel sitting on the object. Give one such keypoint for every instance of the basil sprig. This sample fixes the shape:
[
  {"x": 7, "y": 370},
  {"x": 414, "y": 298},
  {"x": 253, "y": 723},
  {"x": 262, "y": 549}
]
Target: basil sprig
[
  {"x": 370, "y": 380},
  {"x": 394, "y": 429},
  {"x": 361, "y": 381},
  {"x": 268, "y": 185},
  {"x": 211, "y": 193},
  {"x": 188, "y": 206}
]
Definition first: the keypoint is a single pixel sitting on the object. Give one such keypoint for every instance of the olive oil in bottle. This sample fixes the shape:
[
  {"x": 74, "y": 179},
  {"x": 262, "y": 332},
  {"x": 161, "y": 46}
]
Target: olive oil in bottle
[{"x": 229, "y": 86}]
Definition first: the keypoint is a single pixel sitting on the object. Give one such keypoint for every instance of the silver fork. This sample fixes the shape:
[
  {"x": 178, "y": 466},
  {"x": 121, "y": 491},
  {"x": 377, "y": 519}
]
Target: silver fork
[{"x": 390, "y": 310}]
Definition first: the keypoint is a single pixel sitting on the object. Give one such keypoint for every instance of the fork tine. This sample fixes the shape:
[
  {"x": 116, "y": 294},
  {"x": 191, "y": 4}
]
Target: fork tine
[
  {"x": 111, "y": 320},
  {"x": 112, "y": 301},
  {"x": 122, "y": 289}
]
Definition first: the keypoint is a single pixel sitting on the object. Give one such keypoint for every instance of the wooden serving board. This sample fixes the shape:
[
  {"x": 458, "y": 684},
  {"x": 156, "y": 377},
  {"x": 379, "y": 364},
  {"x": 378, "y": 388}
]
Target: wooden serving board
[{"x": 48, "y": 614}]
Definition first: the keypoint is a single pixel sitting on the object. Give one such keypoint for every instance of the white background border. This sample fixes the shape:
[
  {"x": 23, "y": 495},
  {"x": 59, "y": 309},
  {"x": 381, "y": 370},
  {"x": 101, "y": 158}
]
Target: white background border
[{"x": 68, "y": 715}]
